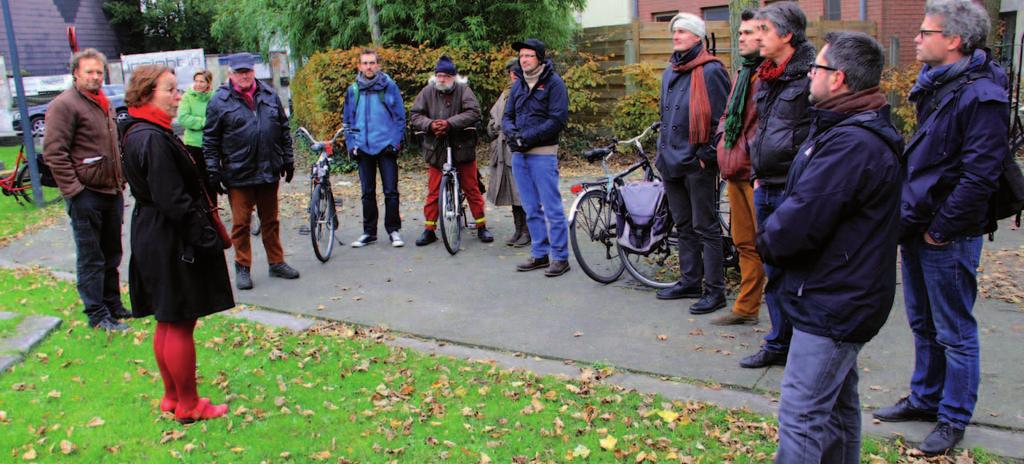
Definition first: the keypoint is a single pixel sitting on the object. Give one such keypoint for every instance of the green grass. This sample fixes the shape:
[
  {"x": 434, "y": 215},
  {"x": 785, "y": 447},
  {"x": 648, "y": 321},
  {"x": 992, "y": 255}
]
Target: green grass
[
  {"x": 8, "y": 326},
  {"x": 18, "y": 218}
]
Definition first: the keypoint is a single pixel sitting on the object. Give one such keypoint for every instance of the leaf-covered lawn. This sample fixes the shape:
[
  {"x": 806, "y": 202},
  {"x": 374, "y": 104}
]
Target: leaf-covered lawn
[{"x": 335, "y": 394}]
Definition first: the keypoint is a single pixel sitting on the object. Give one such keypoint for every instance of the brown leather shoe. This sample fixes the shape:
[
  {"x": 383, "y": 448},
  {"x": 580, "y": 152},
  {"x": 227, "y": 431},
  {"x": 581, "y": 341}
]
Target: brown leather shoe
[
  {"x": 732, "y": 318},
  {"x": 557, "y": 268},
  {"x": 533, "y": 264}
]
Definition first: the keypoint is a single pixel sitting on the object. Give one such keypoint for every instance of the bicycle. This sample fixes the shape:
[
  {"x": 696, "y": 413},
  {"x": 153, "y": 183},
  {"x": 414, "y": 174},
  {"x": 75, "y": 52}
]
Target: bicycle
[
  {"x": 18, "y": 183},
  {"x": 323, "y": 213},
  {"x": 452, "y": 216},
  {"x": 593, "y": 224}
]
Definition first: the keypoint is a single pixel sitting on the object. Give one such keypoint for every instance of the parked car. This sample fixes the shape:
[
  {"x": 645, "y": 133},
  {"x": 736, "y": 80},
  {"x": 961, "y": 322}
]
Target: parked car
[{"x": 37, "y": 113}]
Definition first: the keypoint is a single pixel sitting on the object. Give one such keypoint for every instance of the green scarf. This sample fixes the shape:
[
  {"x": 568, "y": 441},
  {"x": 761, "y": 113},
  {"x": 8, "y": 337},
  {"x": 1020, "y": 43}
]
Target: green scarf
[{"x": 734, "y": 111}]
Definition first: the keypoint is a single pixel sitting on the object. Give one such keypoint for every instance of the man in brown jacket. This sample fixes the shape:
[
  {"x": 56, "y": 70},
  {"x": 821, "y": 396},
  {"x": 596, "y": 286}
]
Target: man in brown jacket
[
  {"x": 446, "y": 111},
  {"x": 736, "y": 131},
  {"x": 81, "y": 147}
]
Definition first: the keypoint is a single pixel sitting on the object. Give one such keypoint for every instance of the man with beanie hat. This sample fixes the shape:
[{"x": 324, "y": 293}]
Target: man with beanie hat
[
  {"x": 736, "y": 130},
  {"x": 446, "y": 111},
  {"x": 536, "y": 113},
  {"x": 694, "y": 90}
]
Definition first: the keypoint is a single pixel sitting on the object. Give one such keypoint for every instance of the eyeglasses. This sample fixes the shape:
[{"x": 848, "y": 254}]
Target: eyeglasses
[
  {"x": 172, "y": 91},
  {"x": 925, "y": 32},
  {"x": 815, "y": 67}
]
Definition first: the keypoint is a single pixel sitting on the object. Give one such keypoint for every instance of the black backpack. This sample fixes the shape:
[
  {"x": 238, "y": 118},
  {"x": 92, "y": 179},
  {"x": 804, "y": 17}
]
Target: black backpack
[{"x": 1008, "y": 199}]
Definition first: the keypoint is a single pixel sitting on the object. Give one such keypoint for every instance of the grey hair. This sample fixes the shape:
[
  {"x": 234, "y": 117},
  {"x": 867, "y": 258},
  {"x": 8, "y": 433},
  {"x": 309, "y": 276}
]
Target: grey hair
[
  {"x": 787, "y": 18},
  {"x": 88, "y": 53},
  {"x": 964, "y": 19},
  {"x": 858, "y": 56}
]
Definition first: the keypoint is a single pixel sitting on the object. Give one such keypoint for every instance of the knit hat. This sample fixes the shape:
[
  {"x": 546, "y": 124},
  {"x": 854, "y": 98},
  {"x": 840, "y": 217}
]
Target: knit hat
[
  {"x": 688, "y": 22},
  {"x": 533, "y": 44},
  {"x": 445, "y": 65},
  {"x": 512, "y": 63}
]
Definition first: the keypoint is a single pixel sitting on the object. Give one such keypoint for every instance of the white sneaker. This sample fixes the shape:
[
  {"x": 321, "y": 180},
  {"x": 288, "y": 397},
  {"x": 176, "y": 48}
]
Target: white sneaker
[
  {"x": 363, "y": 241},
  {"x": 396, "y": 240}
]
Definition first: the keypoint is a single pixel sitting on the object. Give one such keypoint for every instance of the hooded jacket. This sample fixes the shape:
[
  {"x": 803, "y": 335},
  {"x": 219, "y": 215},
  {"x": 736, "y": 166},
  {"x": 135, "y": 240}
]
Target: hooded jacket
[
  {"x": 244, "y": 146},
  {"x": 462, "y": 111},
  {"x": 192, "y": 116},
  {"x": 834, "y": 236},
  {"x": 539, "y": 115},
  {"x": 782, "y": 119},
  {"x": 374, "y": 115}
]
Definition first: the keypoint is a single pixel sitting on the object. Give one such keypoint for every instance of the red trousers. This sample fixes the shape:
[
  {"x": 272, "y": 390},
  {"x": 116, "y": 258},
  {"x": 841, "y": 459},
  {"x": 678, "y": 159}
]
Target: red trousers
[{"x": 470, "y": 188}]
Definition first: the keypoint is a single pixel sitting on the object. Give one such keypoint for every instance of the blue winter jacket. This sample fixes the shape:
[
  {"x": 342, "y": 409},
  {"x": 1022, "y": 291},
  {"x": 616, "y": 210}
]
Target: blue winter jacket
[
  {"x": 246, "y": 147},
  {"x": 834, "y": 236},
  {"x": 374, "y": 116},
  {"x": 537, "y": 116},
  {"x": 955, "y": 159}
]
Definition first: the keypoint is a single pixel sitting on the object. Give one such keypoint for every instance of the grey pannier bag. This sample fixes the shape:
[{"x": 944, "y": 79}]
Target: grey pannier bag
[{"x": 642, "y": 219}]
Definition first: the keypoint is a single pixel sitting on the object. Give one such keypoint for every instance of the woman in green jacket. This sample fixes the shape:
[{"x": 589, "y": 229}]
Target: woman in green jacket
[{"x": 192, "y": 116}]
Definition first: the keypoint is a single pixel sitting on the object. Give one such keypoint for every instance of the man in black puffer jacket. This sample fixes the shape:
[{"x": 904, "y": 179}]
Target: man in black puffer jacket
[
  {"x": 782, "y": 124},
  {"x": 248, "y": 148}
]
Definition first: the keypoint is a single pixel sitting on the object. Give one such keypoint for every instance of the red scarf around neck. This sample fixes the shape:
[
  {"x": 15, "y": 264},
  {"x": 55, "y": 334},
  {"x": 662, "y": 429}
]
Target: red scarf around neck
[
  {"x": 249, "y": 95},
  {"x": 700, "y": 103},
  {"x": 769, "y": 71},
  {"x": 149, "y": 112},
  {"x": 100, "y": 99}
]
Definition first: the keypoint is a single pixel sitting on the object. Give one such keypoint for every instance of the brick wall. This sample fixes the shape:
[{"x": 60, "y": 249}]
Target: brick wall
[{"x": 40, "y": 29}]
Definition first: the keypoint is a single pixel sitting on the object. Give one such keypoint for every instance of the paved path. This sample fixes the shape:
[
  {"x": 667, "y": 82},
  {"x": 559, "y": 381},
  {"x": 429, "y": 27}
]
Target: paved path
[{"x": 477, "y": 299}]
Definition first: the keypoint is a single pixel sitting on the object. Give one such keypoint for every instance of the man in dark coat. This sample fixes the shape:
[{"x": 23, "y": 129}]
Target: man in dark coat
[
  {"x": 953, "y": 163},
  {"x": 446, "y": 111},
  {"x": 248, "y": 148},
  {"x": 537, "y": 111},
  {"x": 782, "y": 123},
  {"x": 832, "y": 242},
  {"x": 694, "y": 90}
]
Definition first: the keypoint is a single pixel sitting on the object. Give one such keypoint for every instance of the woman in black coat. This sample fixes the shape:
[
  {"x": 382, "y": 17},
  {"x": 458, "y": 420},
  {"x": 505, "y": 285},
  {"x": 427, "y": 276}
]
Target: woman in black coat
[{"x": 177, "y": 271}]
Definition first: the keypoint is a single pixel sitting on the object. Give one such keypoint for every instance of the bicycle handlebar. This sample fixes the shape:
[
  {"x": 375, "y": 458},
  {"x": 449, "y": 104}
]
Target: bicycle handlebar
[
  {"x": 313, "y": 143},
  {"x": 598, "y": 153}
]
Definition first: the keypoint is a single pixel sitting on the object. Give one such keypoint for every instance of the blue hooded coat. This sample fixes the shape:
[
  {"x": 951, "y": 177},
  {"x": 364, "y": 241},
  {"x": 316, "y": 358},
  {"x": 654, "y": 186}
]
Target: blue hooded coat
[{"x": 374, "y": 115}]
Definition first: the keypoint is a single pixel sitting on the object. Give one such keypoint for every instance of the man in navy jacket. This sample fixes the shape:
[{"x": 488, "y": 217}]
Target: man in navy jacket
[
  {"x": 833, "y": 244},
  {"x": 536, "y": 112},
  {"x": 953, "y": 163}
]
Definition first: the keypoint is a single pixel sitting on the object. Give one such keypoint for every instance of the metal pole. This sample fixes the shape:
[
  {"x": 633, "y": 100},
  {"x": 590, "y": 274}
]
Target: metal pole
[{"x": 26, "y": 128}]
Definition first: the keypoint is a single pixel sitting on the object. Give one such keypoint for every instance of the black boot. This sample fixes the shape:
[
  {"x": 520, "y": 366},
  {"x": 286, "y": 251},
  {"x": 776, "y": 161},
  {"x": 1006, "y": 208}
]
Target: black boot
[
  {"x": 242, "y": 278},
  {"x": 519, "y": 216}
]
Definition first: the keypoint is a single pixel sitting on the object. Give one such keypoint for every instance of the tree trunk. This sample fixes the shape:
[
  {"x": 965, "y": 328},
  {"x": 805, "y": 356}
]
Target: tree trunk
[{"x": 371, "y": 13}]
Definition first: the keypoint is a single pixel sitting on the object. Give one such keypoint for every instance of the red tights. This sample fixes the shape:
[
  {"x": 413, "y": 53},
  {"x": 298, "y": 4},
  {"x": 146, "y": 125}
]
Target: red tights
[{"x": 175, "y": 350}]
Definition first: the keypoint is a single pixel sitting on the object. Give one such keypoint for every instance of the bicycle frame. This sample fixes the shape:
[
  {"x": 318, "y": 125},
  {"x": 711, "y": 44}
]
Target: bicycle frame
[{"x": 608, "y": 181}]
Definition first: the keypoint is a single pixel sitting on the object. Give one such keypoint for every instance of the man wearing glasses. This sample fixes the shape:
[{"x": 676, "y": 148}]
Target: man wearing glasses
[
  {"x": 953, "y": 163},
  {"x": 248, "y": 149}
]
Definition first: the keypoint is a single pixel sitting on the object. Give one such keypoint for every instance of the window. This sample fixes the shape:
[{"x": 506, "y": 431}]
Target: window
[
  {"x": 833, "y": 11},
  {"x": 664, "y": 16},
  {"x": 715, "y": 13}
]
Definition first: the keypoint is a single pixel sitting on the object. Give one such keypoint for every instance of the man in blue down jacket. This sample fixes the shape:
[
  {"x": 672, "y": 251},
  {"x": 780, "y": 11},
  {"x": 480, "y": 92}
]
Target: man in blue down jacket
[
  {"x": 833, "y": 244},
  {"x": 694, "y": 89},
  {"x": 953, "y": 163},
  {"x": 248, "y": 148},
  {"x": 536, "y": 112}
]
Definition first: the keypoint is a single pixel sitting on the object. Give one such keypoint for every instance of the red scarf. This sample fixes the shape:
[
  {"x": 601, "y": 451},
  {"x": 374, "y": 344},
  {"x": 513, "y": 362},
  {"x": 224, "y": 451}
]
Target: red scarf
[
  {"x": 769, "y": 71},
  {"x": 700, "y": 104},
  {"x": 149, "y": 112},
  {"x": 249, "y": 95},
  {"x": 100, "y": 99}
]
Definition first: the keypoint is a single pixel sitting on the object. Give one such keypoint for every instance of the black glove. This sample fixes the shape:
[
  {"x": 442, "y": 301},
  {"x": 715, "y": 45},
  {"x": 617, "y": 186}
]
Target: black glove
[
  {"x": 516, "y": 143},
  {"x": 354, "y": 154},
  {"x": 215, "y": 185},
  {"x": 288, "y": 171}
]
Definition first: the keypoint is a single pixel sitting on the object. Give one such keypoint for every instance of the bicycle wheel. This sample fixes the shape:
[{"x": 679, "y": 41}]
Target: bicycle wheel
[
  {"x": 659, "y": 269},
  {"x": 449, "y": 220},
  {"x": 23, "y": 188},
  {"x": 592, "y": 235},
  {"x": 321, "y": 222}
]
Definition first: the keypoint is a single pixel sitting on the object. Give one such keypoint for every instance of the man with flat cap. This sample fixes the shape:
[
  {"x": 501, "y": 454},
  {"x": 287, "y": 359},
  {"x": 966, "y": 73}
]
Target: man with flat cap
[{"x": 248, "y": 149}]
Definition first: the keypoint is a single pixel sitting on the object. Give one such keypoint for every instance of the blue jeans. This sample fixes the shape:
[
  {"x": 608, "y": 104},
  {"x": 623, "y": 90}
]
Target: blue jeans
[
  {"x": 96, "y": 224},
  {"x": 766, "y": 201},
  {"x": 537, "y": 179},
  {"x": 387, "y": 163},
  {"x": 819, "y": 409},
  {"x": 939, "y": 288}
]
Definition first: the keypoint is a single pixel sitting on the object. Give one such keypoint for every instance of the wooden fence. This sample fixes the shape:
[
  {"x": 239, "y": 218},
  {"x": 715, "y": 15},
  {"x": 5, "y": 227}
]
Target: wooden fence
[{"x": 651, "y": 42}]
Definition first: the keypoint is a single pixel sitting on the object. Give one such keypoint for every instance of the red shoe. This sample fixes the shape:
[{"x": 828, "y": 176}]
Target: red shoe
[
  {"x": 168, "y": 405},
  {"x": 203, "y": 411}
]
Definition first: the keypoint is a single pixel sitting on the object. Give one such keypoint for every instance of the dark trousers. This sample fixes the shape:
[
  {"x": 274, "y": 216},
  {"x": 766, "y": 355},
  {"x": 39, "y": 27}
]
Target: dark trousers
[
  {"x": 693, "y": 202},
  {"x": 96, "y": 220},
  {"x": 766, "y": 201},
  {"x": 387, "y": 164}
]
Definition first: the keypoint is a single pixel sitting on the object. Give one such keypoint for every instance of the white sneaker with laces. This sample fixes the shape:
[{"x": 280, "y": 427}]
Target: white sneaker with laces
[
  {"x": 396, "y": 240},
  {"x": 363, "y": 241}
]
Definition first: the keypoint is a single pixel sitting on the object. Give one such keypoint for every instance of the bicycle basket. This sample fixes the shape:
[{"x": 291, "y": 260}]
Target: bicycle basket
[{"x": 642, "y": 216}]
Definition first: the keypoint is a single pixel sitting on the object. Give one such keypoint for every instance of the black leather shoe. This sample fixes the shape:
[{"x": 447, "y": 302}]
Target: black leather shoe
[
  {"x": 764, "y": 358},
  {"x": 120, "y": 313},
  {"x": 242, "y": 278},
  {"x": 708, "y": 304},
  {"x": 284, "y": 271},
  {"x": 426, "y": 238},
  {"x": 678, "y": 291},
  {"x": 533, "y": 264},
  {"x": 557, "y": 268},
  {"x": 108, "y": 323},
  {"x": 484, "y": 235},
  {"x": 942, "y": 439},
  {"x": 902, "y": 411}
]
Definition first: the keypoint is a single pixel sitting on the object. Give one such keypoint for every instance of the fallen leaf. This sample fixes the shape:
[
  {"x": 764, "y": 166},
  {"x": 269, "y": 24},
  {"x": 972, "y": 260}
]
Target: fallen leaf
[
  {"x": 67, "y": 447},
  {"x": 29, "y": 455},
  {"x": 95, "y": 422},
  {"x": 484, "y": 459},
  {"x": 577, "y": 334},
  {"x": 608, "y": 443},
  {"x": 581, "y": 452},
  {"x": 662, "y": 337},
  {"x": 668, "y": 416}
]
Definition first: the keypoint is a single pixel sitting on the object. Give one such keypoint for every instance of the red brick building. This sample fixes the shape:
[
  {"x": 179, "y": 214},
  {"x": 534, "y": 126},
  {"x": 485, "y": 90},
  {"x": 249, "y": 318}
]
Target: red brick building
[{"x": 897, "y": 20}]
